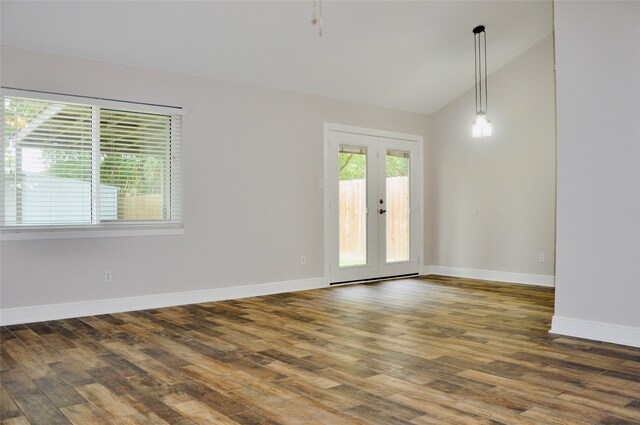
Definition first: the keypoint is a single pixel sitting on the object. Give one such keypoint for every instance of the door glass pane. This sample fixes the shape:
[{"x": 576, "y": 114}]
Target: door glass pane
[
  {"x": 397, "y": 206},
  {"x": 352, "y": 205}
]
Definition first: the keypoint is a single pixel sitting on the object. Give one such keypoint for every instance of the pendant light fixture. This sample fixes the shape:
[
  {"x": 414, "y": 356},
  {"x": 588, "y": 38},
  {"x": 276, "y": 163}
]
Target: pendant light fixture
[{"x": 481, "y": 125}]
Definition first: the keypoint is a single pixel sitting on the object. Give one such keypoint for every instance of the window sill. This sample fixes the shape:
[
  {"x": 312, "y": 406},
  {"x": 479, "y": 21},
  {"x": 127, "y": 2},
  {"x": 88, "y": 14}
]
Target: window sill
[{"x": 77, "y": 234}]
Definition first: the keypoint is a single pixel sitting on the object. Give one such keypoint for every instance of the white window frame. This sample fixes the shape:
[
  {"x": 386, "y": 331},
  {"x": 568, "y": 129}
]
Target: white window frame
[{"x": 115, "y": 229}]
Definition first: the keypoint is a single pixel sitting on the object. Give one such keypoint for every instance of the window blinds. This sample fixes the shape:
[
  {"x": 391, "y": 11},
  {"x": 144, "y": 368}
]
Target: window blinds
[{"x": 88, "y": 166}]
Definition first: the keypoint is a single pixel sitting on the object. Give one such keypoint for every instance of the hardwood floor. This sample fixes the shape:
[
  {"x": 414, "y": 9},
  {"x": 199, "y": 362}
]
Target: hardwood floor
[{"x": 431, "y": 351}]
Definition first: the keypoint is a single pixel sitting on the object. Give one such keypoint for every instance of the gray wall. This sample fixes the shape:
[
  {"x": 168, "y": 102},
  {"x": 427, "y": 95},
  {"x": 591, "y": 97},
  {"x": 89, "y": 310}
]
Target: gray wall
[
  {"x": 598, "y": 95},
  {"x": 252, "y": 159},
  {"x": 493, "y": 199}
]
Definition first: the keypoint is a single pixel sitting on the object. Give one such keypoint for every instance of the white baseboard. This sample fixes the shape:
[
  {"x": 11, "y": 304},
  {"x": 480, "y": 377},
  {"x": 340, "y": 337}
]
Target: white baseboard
[
  {"x": 607, "y": 332},
  {"x": 498, "y": 276},
  {"x": 39, "y": 313}
]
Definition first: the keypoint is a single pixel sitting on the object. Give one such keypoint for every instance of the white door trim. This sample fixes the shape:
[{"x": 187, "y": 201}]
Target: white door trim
[{"x": 328, "y": 127}]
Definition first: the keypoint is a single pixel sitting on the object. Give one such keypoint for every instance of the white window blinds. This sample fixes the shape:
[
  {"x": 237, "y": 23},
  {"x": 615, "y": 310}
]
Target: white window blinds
[{"x": 89, "y": 166}]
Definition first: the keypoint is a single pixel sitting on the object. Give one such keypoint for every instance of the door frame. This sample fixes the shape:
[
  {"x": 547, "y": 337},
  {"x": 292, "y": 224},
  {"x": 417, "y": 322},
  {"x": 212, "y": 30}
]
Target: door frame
[{"x": 419, "y": 184}]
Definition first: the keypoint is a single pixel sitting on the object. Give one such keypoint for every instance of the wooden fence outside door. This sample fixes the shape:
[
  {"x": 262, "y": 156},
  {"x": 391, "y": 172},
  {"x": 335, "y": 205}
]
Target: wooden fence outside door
[{"x": 353, "y": 219}]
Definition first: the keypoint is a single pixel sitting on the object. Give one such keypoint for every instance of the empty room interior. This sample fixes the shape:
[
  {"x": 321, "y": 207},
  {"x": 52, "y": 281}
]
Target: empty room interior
[{"x": 320, "y": 212}]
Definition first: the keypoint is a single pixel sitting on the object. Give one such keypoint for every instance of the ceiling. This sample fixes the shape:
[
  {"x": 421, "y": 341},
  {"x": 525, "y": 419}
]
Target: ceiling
[{"x": 415, "y": 56}]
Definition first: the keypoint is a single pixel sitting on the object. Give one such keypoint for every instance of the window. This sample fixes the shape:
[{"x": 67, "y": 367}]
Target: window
[{"x": 100, "y": 165}]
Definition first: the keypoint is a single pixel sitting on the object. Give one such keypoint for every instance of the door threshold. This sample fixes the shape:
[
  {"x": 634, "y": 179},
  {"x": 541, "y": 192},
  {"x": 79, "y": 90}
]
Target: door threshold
[{"x": 375, "y": 279}]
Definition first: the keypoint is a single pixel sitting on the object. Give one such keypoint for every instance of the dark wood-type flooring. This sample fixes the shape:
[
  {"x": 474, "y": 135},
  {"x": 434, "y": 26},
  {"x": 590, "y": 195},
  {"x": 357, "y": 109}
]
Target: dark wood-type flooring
[{"x": 414, "y": 351}]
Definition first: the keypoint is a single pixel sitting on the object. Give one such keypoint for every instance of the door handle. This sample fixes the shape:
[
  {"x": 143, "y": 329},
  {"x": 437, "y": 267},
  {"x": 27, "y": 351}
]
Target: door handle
[{"x": 381, "y": 211}]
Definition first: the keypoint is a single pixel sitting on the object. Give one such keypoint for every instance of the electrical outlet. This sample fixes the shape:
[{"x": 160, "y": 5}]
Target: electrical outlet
[
  {"x": 541, "y": 257},
  {"x": 303, "y": 260},
  {"x": 108, "y": 276}
]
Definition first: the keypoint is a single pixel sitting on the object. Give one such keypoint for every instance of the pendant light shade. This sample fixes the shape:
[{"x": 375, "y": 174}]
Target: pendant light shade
[{"x": 481, "y": 125}]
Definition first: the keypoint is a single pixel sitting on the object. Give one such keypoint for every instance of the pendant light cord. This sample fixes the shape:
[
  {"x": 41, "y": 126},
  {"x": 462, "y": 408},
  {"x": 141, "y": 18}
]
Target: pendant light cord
[
  {"x": 480, "y": 36},
  {"x": 480, "y": 71},
  {"x": 475, "y": 68},
  {"x": 486, "y": 85}
]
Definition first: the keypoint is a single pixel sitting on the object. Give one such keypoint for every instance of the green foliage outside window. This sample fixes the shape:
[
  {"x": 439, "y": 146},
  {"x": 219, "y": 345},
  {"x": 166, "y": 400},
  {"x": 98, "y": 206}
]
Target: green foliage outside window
[{"x": 353, "y": 166}]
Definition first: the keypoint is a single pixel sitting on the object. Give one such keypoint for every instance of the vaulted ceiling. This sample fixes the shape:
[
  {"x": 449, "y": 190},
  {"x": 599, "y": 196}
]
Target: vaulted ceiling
[{"x": 415, "y": 56}]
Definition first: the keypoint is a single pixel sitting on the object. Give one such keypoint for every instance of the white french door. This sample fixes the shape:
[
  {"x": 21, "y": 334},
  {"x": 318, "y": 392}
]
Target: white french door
[{"x": 374, "y": 201}]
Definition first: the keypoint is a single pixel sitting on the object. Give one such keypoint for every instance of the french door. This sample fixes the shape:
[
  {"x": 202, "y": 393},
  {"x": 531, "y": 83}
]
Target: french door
[{"x": 373, "y": 207}]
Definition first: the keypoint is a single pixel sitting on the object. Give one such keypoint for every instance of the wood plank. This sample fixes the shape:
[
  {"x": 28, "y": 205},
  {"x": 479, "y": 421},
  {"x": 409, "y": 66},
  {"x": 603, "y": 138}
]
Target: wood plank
[
  {"x": 60, "y": 394},
  {"x": 35, "y": 406},
  {"x": 202, "y": 414},
  {"x": 8, "y": 408},
  {"x": 82, "y": 414}
]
